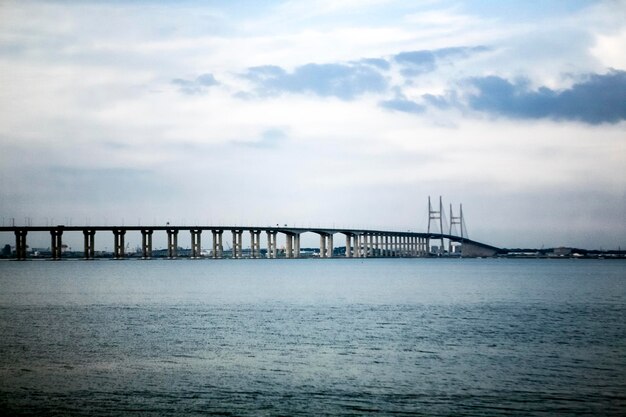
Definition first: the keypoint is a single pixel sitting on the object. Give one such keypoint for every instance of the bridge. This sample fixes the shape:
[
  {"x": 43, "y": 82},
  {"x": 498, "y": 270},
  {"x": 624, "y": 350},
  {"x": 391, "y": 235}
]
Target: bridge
[{"x": 359, "y": 243}]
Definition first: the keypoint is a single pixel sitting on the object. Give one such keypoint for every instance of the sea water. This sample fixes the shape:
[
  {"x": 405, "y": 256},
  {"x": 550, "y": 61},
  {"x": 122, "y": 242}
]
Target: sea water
[{"x": 313, "y": 337}]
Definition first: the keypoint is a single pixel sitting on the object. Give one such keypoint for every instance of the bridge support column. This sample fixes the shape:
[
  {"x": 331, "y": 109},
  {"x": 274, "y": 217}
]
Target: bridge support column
[
  {"x": 271, "y": 244},
  {"x": 118, "y": 243},
  {"x": 196, "y": 245},
  {"x": 56, "y": 243},
  {"x": 330, "y": 247},
  {"x": 374, "y": 245},
  {"x": 218, "y": 247},
  {"x": 237, "y": 244},
  {"x": 296, "y": 245},
  {"x": 326, "y": 245},
  {"x": 348, "y": 246},
  {"x": 146, "y": 243},
  {"x": 256, "y": 243},
  {"x": 253, "y": 244},
  {"x": 387, "y": 251},
  {"x": 89, "y": 243},
  {"x": 288, "y": 245},
  {"x": 20, "y": 244},
  {"x": 172, "y": 243},
  {"x": 376, "y": 248}
]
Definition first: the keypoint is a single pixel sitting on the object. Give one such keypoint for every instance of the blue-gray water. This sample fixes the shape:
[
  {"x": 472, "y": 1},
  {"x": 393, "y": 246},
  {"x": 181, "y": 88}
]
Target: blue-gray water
[{"x": 313, "y": 337}]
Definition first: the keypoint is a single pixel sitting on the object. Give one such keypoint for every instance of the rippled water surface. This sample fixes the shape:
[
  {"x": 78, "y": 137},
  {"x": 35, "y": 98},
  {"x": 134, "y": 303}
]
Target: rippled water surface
[{"x": 313, "y": 337}]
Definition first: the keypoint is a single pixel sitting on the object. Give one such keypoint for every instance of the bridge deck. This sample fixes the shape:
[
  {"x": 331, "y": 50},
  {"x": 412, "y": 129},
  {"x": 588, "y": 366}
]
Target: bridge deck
[{"x": 416, "y": 243}]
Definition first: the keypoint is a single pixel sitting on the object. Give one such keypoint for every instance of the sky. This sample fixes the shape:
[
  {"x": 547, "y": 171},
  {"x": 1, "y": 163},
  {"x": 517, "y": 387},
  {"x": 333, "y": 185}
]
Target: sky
[{"x": 321, "y": 113}]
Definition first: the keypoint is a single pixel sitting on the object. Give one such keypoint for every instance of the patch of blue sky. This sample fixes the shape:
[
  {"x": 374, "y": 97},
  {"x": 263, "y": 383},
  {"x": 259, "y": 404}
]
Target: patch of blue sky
[
  {"x": 345, "y": 81},
  {"x": 516, "y": 10},
  {"x": 403, "y": 105}
]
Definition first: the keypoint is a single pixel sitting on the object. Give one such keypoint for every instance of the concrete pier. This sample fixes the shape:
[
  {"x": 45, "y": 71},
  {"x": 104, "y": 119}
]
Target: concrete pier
[
  {"x": 296, "y": 245},
  {"x": 56, "y": 243},
  {"x": 288, "y": 245},
  {"x": 218, "y": 246},
  {"x": 326, "y": 245},
  {"x": 20, "y": 244},
  {"x": 255, "y": 244},
  {"x": 384, "y": 245},
  {"x": 172, "y": 243},
  {"x": 118, "y": 243},
  {"x": 237, "y": 251},
  {"x": 146, "y": 243},
  {"x": 271, "y": 244},
  {"x": 89, "y": 243},
  {"x": 196, "y": 246},
  {"x": 363, "y": 245}
]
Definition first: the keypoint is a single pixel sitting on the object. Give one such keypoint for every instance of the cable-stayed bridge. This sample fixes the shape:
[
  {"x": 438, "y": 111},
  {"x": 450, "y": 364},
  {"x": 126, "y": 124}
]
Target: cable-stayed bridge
[{"x": 357, "y": 243}]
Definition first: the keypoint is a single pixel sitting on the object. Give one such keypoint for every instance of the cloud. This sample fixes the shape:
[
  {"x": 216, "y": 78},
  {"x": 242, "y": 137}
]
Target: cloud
[
  {"x": 416, "y": 62},
  {"x": 420, "y": 62},
  {"x": 599, "y": 99},
  {"x": 344, "y": 81},
  {"x": 349, "y": 80},
  {"x": 197, "y": 86},
  {"x": 440, "y": 102},
  {"x": 380, "y": 63},
  {"x": 403, "y": 105}
]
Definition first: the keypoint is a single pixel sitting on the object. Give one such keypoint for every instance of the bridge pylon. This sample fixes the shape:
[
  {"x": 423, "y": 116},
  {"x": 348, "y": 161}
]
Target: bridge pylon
[
  {"x": 434, "y": 215},
  {"x": 454, "y": 220}
]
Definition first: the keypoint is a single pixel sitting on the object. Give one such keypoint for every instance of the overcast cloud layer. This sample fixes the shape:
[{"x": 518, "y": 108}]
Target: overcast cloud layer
[{"x": 326, "y": 113}]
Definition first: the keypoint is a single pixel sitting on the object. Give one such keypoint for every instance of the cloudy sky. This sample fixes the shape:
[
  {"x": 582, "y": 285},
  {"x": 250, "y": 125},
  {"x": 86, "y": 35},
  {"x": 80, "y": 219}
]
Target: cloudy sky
[{"x": 326, "y": 112}]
